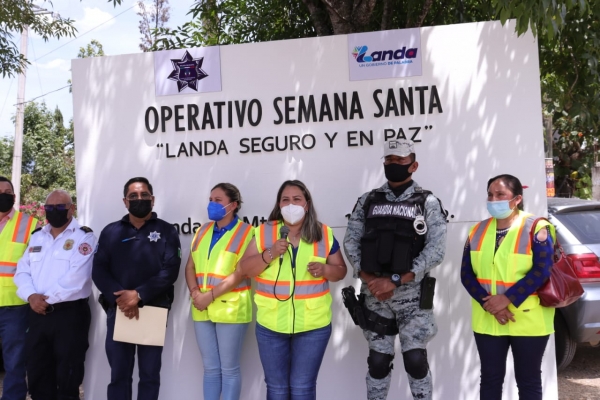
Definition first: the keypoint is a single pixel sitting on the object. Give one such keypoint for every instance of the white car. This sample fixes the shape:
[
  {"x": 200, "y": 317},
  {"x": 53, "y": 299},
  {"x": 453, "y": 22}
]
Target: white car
[{"x": 577, "y": 225}]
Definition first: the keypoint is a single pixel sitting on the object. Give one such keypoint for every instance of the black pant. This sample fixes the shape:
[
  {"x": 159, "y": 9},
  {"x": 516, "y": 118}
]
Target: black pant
[
  {"x": 55, "y": 348},
  {"x": 121, "y": 357},
  {"x": 527, "y": 354}
]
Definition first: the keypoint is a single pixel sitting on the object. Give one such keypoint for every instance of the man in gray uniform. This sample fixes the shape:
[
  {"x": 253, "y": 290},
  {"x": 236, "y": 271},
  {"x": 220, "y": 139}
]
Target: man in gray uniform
[{"x": 396, "y": 235}]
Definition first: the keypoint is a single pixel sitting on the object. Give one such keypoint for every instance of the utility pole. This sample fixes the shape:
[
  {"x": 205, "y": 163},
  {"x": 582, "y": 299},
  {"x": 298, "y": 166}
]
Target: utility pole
[{"x": 20, "y": 117}]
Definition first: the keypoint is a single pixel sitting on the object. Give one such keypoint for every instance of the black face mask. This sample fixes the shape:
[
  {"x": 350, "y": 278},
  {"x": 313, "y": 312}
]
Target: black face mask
[
  {"x": 57, "y": 218},
  {"x": 7, "y": 201},
  {"x": 397, "y": 172},
  {"x": 140, "y": 208}
]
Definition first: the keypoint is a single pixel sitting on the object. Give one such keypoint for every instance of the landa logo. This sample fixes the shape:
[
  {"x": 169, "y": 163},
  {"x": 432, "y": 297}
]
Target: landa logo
[
  {"x": 400, "y": 54},
  {"x": 187, "y": 72}
]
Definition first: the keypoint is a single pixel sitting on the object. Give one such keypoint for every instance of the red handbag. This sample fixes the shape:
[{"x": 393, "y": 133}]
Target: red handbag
[{"x": 563, "y": 286}]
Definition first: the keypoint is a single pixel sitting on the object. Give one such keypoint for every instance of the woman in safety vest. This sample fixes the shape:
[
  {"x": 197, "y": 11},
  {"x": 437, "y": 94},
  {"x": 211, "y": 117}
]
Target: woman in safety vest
[
  {"x": 293, "y": 257},
  {"x": 211, "y": 274},
  {"x": 501, "y": 270}
]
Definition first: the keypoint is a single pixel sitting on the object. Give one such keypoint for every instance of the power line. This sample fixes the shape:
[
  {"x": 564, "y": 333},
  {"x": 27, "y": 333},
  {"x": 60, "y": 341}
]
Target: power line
[
  {"x": 85, "y": 33},
  {"x": 7, "y": 94},
  {"x": 29, "y": 101}
]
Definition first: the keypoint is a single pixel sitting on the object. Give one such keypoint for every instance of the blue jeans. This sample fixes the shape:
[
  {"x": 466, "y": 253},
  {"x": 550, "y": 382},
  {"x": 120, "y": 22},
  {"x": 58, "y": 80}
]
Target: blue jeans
[
  {"x": 221, "y": 347},
  {"x": 527, "y": 354},
  {"x": 13, "y": 325},
  {"x": 291, "y": 362}
]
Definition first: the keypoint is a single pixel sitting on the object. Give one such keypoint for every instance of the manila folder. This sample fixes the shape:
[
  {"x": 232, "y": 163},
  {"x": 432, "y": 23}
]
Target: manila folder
[{"x": 149, "y": 330}]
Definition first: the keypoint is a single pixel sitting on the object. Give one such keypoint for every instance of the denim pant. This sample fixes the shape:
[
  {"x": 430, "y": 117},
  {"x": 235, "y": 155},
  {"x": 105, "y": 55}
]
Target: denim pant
[
  {"x": 527, "y": 354},
  {"x": 221, "y": 347},
  {"x": 291, "y": 362},
  {"x": 121, "y": 357},
  {"x": 13, "y": 325}
]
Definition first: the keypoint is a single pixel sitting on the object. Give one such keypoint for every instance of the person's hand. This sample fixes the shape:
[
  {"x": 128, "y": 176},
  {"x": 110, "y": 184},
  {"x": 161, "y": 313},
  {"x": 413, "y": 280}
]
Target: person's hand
[
  {"x": 127, "y": 300},
  {"x": 385, "y": 296},
  {"x": 407, "y": 277},
  {"x": 201, "y": 300},
  {"x": 132, "y": 312},
  {"x": 504, "y": 316},
  {"x": 382, "y": 288},
  {"x": 38, "y": 304},
  {"x": 316, "y": 269},
  {"x": 279, "y": 247},
  {"x": 496, "y": 303}
]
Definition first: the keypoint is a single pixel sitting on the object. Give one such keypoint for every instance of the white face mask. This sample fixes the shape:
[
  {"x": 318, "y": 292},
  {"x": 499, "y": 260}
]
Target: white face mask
[{"x": 292, "y": 213}]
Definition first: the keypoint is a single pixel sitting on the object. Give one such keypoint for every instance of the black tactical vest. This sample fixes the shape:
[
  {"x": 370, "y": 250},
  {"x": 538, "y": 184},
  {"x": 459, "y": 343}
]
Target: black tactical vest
[{"x": 390, "y": 243}]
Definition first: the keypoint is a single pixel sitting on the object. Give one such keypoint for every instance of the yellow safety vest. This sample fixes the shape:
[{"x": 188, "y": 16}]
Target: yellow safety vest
[
  {"x": 13, "y": 242},
  {"x": 232, "y": 307},
  {"x": 498, "y": 272},
  {"x": 309, "y": 307}
]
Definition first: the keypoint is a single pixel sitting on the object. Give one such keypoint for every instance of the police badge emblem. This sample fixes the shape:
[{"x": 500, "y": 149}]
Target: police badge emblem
[
  {"x": 154, "y": 236},
  {"x": 68, "y": 244}
]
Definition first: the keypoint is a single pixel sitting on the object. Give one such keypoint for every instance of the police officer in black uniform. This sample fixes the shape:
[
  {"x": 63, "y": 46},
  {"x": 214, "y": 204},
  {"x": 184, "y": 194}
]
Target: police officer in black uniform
[{"x": 136, "y": 264}]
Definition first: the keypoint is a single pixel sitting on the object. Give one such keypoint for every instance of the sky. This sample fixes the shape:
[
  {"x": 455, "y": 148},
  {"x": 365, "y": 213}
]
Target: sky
[{"x": 116, "y": 28}]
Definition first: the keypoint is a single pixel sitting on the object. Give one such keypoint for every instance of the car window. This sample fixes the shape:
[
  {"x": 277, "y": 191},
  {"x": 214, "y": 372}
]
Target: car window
[{"x": 584, "y": 225}]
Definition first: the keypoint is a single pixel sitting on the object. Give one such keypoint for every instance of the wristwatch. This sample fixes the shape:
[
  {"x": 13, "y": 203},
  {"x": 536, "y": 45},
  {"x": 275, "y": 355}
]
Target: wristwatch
[{"x": 396, "y": 280}]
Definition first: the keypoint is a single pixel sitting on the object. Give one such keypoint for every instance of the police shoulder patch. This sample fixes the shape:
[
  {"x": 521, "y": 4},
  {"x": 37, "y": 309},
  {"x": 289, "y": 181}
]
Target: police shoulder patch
[
  {"x": 86, "y": 229},
  {"x": 36, "y": 230}
]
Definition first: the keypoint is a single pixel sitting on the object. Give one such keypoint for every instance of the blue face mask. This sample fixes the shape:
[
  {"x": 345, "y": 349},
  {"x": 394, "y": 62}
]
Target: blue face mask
[
  {"x": 499, "y": 209},
  {"x": 216, "y": 211}
]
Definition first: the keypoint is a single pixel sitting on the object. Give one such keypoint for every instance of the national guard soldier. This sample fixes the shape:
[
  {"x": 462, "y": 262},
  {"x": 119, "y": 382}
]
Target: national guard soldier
[
  {"x": 55, "y": 277},
  {"x": 396, "y": 235}
]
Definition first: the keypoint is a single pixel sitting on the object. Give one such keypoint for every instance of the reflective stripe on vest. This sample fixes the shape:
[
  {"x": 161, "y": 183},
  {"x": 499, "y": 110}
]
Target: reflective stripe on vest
[
  {"x": 13, "y": 242},
  {"x": 271, "y": 289},
  {"x": 213, "y": 280},
  {"x": 8, "y": 268},
  {"x": 23, "y": 228},
  {"x": 498, "y": 270},
  {"x": 200, "y": 234},
  {"x": 213, "y": 266},
  {"x": 275, "y": 285}
]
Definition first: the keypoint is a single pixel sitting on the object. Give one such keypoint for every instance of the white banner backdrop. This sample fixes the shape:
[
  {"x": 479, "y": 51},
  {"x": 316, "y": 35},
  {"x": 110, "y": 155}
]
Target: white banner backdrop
[{"x": 288, "y": 110}]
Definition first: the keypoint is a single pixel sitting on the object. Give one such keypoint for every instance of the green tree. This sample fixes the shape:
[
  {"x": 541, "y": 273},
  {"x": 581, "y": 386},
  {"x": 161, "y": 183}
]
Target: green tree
[
  {"x": 48, "y": 154},
  {"x": 15, "y": 15},
  {"x": 153, "y": 16},
  {"x": 93, "y": 49}
]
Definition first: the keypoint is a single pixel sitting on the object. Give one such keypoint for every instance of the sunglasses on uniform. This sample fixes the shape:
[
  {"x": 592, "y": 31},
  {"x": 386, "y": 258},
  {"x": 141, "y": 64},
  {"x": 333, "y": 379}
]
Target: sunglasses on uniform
[{"x": 57, "y": 207}]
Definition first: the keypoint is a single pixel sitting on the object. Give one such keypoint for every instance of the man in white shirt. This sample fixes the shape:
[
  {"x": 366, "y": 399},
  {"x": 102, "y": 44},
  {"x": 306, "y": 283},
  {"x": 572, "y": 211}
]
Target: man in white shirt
[{"x": 54, "y": 276}]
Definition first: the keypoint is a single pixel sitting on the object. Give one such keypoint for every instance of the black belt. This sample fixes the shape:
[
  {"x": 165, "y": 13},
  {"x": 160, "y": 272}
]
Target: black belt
[{"x": 65, "y": 305}]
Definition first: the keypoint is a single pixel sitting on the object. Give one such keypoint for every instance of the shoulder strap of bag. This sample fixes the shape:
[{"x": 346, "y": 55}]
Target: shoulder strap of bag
[{"x": 557, "y": 247}]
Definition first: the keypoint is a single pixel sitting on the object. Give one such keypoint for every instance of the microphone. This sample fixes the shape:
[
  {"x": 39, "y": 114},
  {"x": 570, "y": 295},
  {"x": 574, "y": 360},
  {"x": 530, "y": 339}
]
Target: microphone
[{"x": 283, "y": 232}]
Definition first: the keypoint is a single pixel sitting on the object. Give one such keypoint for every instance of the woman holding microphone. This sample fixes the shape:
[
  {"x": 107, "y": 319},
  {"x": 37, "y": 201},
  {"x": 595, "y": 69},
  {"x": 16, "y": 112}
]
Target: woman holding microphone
[
  {"x": 293, "y": 257},
  {"x": 211, "y": 274}
]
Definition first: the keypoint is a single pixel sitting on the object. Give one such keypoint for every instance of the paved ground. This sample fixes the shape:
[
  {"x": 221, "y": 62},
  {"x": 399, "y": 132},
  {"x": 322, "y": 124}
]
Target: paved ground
[{"x": 579, "y": 381}]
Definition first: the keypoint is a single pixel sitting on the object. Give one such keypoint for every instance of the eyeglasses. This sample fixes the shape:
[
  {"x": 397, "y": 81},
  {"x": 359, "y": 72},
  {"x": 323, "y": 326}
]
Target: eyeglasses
[
  {"x": 58, "y": 207},
  {"x": 143, "y": 196}
]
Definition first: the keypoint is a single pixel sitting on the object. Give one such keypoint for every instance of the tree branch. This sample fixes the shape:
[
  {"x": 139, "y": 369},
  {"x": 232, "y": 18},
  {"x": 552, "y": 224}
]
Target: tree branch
[
  {"x": 386, "y": 18},
  {"x": 424, "y": 12},
  {"x": 318, "y": 17}
]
